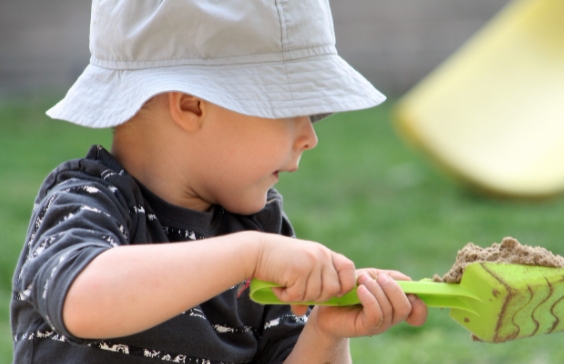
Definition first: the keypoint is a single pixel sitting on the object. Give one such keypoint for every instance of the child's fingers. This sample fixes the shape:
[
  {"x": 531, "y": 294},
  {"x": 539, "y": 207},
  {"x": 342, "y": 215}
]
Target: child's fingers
[
  {"x": 330, "y": 285},
  {"x": 313, "y": 286},
  {"x": 346, "y": 273},
  {"x": 376, "y": 306},
  {"x": 331, "y": 279},
  {"x": 295, "y": 292},
  {"x": 401, "y": 307},
  {"x": 322, "y": 285},
  {"x": 374, "y": 273},
  {"x": 318, "y": 286},
  {"x": 418, "y": 314},
  {"x": 398, "y": 276}
]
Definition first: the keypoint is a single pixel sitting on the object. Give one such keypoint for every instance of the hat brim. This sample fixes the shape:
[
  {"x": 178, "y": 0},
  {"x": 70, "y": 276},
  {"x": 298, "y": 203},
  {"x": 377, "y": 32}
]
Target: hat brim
[{"x": 315, "y": 86}]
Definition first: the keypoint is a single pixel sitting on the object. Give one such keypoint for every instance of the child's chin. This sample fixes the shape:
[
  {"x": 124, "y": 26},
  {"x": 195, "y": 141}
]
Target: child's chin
[{"x": 247, "y": 208}]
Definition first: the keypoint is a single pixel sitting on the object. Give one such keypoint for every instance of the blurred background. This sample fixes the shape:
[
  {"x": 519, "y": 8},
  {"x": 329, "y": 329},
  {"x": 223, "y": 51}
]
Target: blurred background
[{"x": 362, "y": 191}]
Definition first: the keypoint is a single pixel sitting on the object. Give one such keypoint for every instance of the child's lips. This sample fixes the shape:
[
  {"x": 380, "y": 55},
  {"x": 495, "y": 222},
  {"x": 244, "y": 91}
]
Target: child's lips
[{"x": 277, "y": 173}]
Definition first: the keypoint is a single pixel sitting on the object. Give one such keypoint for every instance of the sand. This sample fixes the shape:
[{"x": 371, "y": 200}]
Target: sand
[{"x": 508, "y": 251}]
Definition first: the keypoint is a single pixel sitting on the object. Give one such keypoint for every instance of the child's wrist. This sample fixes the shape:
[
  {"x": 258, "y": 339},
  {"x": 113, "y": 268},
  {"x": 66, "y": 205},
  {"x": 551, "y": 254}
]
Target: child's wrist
[
  {"x": 322, "y": 335},
  {"x": 251, "y": 246},
  {"x": 334, "y": 347}
]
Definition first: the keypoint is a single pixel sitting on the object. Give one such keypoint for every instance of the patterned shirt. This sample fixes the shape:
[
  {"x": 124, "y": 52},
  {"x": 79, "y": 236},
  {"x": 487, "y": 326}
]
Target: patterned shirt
[{"x": 90, "y": 205}]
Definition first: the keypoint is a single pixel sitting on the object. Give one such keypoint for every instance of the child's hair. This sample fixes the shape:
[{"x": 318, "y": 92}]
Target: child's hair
[{"x": 272, "y": 59}]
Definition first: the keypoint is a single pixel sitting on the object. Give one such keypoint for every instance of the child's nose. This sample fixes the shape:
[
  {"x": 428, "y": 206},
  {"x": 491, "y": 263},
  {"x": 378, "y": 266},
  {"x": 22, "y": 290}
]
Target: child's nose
[{"x": 307, "y": 138}]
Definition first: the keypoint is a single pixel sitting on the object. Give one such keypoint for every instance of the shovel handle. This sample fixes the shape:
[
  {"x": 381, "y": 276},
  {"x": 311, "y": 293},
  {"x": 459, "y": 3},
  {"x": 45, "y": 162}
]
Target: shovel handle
[{"x": 434, "y": 294}]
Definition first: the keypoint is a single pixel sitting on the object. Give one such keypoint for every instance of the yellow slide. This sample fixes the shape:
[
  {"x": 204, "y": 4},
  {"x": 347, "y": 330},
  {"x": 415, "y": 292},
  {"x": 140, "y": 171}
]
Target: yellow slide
[{"x": 493, "y": 113}]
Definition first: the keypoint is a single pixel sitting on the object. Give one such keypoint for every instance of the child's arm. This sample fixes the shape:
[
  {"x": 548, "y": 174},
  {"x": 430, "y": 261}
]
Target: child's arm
[
  {"x": 383, "y": 305},
  {"x": 86, "y": 271},
  {"x": 129, "y": 289}
]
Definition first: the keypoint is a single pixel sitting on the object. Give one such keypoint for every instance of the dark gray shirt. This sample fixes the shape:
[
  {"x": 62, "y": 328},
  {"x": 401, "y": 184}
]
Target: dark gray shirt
[{"x": 90, "y": 205}]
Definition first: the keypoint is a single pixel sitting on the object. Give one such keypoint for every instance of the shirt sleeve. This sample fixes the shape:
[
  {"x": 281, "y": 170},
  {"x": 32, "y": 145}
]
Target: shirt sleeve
[{"x": 75, "y": 222}]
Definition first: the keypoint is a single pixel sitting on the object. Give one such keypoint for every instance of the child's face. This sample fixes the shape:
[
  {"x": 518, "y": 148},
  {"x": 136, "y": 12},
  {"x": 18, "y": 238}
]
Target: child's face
[{"x": 242, "y": 157}]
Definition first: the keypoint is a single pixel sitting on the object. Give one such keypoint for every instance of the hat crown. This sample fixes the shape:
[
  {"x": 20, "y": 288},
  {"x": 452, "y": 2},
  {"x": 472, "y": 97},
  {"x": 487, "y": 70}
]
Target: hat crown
[{"x": 134, "y": 34}]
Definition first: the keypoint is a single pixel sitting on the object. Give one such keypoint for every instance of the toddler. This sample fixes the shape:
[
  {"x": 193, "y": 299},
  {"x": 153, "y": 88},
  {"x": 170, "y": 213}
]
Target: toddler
[{"x": 143, "y": 253}]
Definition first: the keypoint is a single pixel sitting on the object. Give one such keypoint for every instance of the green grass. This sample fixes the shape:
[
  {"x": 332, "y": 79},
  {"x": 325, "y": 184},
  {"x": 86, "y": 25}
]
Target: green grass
[{"x": 361, "y": 191}]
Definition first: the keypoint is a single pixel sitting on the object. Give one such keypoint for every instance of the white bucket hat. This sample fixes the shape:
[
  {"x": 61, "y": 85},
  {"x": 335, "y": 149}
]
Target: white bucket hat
[{"x": 266, "y": 58}]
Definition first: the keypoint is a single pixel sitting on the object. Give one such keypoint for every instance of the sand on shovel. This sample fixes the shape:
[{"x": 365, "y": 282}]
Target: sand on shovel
[{"x": 508, "y": 251}]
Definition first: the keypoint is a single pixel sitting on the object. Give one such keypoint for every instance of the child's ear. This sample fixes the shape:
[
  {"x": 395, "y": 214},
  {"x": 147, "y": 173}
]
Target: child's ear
[{"x": 185, "y": 110}]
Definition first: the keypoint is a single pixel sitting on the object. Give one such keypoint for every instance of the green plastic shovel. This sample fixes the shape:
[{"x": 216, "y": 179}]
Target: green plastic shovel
[{"x": 496, "y": 302}]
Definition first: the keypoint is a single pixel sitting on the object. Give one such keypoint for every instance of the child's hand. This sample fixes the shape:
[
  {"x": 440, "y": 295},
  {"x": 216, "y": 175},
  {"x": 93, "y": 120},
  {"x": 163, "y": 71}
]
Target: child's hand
[
  {"x": 384, "y": 304},
  {"x": 308, "y": 271}
]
